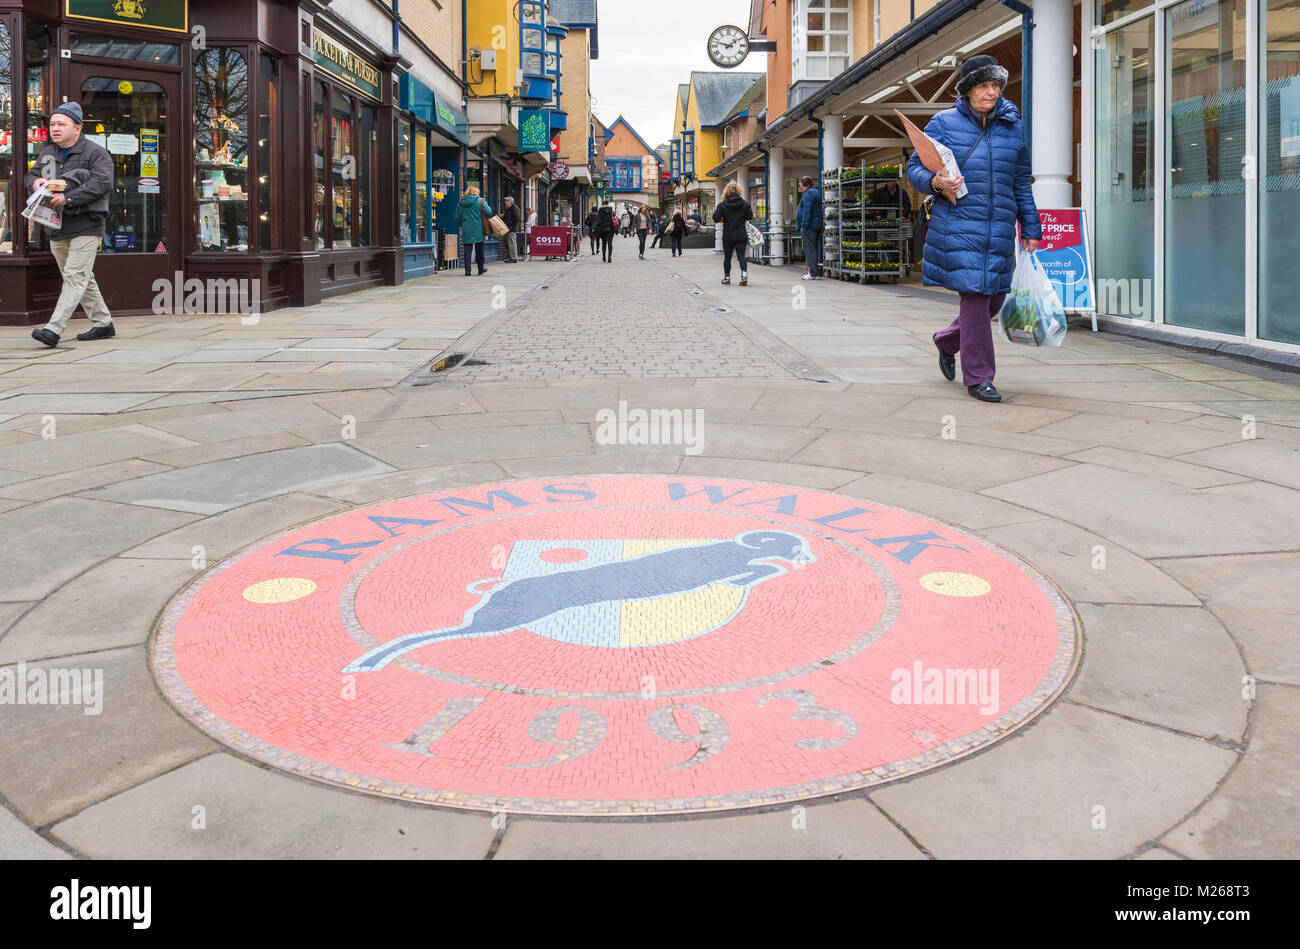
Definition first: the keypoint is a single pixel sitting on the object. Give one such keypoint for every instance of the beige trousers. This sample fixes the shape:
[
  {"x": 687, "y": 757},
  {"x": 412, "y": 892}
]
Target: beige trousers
[{"x": 76, "y": 260}]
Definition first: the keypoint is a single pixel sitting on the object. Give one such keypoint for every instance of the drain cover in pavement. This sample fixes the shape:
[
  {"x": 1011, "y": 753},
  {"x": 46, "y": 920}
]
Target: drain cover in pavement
[{"x": 615, "y": 645}]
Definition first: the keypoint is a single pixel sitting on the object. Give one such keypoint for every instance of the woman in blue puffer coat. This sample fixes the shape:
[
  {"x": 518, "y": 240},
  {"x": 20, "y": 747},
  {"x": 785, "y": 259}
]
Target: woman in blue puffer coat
[{"x": 970, "y": 246}]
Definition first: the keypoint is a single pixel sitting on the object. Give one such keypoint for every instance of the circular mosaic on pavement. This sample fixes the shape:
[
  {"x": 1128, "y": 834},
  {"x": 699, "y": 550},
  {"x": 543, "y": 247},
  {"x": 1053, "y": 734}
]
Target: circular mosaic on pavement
[{"x": 615, "y": 645}]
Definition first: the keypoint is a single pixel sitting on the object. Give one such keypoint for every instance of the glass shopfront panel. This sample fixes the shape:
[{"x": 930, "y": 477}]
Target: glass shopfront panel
[
  {"x": 318, "y": 138},
  {"x": 129, "y": 118},
  {"x": 1205, "y": 140},
  {"x": 421, "y": 211},
  {"x": 38, "y": 113},
  {"x": 268, "y": 107},
  {"x": 8, "y": 189},
  {"x": 221, "y": 155},
  {"x": 404, "y": 182},
  {"x": 367, "y": 144},
  {"x": 1279, "y": 178},
  {"x": 342, "y": 167},
  {"x": 1125, "y": 193}
]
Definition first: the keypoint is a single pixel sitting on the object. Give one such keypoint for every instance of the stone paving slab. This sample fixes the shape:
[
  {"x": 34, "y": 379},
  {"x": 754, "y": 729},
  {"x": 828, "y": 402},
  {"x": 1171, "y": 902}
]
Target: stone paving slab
[
  {"x": 56, "y": 759},
  {"x": 252, "y": 813},
  {"x": 221, "y": 485},
  {"x": 1256, "y": 812},
  {"x": 63, "y": 537},
  {"x": 847, "y": 829},
  {"x": 20, "y": 842}
]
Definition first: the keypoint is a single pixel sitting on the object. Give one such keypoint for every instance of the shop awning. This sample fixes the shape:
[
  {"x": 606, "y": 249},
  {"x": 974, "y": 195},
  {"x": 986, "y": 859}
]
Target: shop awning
[{"x": 421, "y": 101}]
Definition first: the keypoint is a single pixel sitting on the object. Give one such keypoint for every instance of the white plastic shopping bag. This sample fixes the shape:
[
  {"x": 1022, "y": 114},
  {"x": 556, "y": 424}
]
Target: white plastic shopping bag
[
  {"x": 754, "y": 234},
  {"x": 1032, "y": 314}
]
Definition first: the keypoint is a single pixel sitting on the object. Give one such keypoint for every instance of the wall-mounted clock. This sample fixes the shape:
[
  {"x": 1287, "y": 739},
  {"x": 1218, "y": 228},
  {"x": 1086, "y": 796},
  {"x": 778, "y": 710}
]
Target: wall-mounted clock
[{"x": 728, "y": 46}]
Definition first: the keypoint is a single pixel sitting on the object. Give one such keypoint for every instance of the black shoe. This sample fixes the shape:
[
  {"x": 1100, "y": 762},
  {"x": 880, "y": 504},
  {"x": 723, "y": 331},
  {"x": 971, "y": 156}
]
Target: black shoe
[
  {"x": 482, "y": 272},
  {"x": 726, "y": 279},
  {"x": 947, "y": 364},
  {"x": 985, "y": 392},
  {"x": 98, "y": 332},
  {"x": 42, "y": 335}
]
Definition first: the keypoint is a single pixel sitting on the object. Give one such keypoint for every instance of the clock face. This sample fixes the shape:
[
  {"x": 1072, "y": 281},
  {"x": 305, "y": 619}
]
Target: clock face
[{"x": 728, "y": 46}]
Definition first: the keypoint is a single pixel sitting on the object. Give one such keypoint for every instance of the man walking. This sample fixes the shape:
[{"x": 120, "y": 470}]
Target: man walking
[
  {"x": 84, "y": 207},
  {"x": 510, "y": 214},
  {"x": 808, "y": 221}
]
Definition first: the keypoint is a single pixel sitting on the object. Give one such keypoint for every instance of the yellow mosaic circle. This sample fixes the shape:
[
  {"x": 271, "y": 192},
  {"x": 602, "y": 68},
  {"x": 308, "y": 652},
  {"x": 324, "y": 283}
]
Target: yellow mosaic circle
[
  {"x": 280, "y": 590},
  {"x": 955, "y": 584}
]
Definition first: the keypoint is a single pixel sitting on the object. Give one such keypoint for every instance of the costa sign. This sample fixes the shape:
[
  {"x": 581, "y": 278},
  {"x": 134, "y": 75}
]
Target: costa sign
[
  {"x": 548, "y": 241},
  {"x": 559, "y": 171}
]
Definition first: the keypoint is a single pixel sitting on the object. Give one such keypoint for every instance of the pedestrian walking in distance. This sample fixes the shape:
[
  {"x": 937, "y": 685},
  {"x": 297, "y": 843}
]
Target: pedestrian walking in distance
[
  {"x": 510, "y": 214},
  {"x": 732, "y": 213},
  {"x": 970, "y": 246},
  {"x": 661, "y": 225},
  {"x": 470, "y": 213},
  {"x": 627, "y": 223},
  {"x": 678, "y": 226},
  {"x": 607, "y": 225},
  {"x": 808, "y": 222},
  {"x": 88, "y": 172},
  {"x": 593, "y": 227},
  {"x": 642, "y": 227}
]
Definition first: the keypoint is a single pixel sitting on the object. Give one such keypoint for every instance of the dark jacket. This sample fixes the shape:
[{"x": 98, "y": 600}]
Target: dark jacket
[
  {"x": 971, "y": 245},
  {"x": 511, "y": 216},
  {"x": 87, "y": 206},
  {"x": 808, "y": 215},
  {"x": 593, "y": 221},
  {"x": 679, "y": 226},
  {"x": 733, "y": 213},
  {"x": 469, "y": 213},
  {"x": 606, "y": 224}
]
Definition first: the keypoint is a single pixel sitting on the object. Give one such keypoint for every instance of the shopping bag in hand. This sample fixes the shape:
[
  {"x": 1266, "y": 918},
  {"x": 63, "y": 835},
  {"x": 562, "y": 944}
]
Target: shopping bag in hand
[
  {"x": 39, "y": 209},
  {"x": 754, "y": 234},
  {"x": 1032, "y": 314}
]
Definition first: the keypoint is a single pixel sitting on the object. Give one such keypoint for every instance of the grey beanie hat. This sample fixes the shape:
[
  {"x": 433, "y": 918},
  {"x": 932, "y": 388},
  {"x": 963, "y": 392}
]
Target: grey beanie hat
[
  {"x": 980, "y": 69},
  {"x": 72, "y": 110}
]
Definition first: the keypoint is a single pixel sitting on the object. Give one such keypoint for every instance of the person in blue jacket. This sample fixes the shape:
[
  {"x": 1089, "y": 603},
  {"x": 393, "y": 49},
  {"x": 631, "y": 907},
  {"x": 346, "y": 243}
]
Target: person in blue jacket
[
  {"x": 970, "y": 246},
  {"x": 808, "y": 222}
]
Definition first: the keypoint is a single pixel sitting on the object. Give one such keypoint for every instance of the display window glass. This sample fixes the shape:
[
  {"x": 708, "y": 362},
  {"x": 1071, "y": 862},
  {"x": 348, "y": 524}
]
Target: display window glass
[
  {"x": 421, "y": 186},
  {"x": 404, "y": 181},
  {"x": 366, "y": 145},
  {"x": 37, "y": 89},
  {"x": 6, "y": 140},
  {"x": 1279, "y": 178},
  {"x": 343, "y": 164},
  {"x": 268, "y": 106},
  {"x": 221, "y": 149},
  {"x": 318, "y": 136}
]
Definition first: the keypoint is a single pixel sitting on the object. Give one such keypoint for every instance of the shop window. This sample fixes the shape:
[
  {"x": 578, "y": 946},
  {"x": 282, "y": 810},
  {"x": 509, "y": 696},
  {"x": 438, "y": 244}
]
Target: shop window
[
  {"x": 268, "y": 107},
  {"x": 404, "y": 182},
  {"x": 532, "y": 36},
  {"x": 1125, "y": 192},
  {"x": 158, "y": 54},
  {"x": 820, "y": 37},
  {"x": 133, "y": 113},
  {"x": 421, "y": 186},
  {"x": 1279, "y": 178},
  {"x": 221, "y": 149},
  {"x": 37, "y": 85},
  {"x": 319, "y": 136},
  {"x": 7, "y": 187},
  {"x": 688, "y": 153},
  {"x": 1205, "y": 139},
  {"x": 366, "y": 145},
  {"x": 343, "y": 165},
  {"x": 1108, "y": 11}
]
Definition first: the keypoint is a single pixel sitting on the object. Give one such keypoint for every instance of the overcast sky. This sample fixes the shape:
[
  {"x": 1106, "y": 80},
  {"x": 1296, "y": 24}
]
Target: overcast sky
[{"x": 648, "y": 47}]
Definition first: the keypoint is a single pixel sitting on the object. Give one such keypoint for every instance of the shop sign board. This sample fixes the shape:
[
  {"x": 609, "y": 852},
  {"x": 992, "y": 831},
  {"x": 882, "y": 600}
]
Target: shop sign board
[
  {"x": 344, "y": 65},
  {"x": 548, "y": 241},
  {"x": 155, "y": 14},
  {"x": 149, "y": 141},
  {"x": 148, "y": 166},
  {"x": 559, "y": 171},
  {"x": 1063, "y": 252},
  {"x": 534, "y": 130}
]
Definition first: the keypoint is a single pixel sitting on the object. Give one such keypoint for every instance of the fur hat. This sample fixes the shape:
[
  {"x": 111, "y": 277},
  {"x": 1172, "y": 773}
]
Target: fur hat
[{"x": 980, "y": 69}]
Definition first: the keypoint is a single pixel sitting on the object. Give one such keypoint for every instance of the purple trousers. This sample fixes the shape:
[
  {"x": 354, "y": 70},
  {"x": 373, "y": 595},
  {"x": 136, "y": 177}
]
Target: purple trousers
[{"x": 971, "y": 334}]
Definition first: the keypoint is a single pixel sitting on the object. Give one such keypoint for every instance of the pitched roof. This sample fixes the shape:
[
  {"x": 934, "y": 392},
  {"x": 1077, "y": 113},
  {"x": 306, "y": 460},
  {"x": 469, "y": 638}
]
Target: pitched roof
[
  {"x": 633, "y": 131},
  {"x": 717, "y": 92},
  {"x": 684, "y": 93},
  {"x": 577, "y": 13},
  {"x": 756, "y": 93}
]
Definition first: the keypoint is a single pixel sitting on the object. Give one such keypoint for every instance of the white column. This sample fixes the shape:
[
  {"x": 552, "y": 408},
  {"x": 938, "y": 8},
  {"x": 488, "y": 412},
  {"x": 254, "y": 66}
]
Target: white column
[
  {"x": 1053, "y": 105},
  {"x": 832, "y": 142},
  {"x": 717, "y": 228},
  {"x": 776, "y": 204},
  {"x": 742, "y": 179}
]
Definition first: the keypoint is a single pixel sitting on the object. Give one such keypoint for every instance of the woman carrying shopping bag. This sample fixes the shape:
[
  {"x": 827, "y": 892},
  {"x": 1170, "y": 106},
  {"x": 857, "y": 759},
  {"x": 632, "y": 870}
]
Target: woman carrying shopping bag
[
  {"x": 732, "y": 213},
  {"x": 471, "y": 214},
  {"x": 970, "y": 245},
  {"x": 676, "y": 231}
]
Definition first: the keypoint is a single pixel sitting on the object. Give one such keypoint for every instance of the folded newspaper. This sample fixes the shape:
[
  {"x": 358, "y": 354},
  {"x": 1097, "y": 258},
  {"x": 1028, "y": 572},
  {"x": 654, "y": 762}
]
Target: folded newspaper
[
  {"x": 39, "y": 209},
  {"x": 935, "y": 156}
]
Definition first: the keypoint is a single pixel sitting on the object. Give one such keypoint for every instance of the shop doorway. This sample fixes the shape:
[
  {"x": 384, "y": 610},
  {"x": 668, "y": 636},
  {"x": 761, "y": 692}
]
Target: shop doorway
[{"x": 128, "y": 112}]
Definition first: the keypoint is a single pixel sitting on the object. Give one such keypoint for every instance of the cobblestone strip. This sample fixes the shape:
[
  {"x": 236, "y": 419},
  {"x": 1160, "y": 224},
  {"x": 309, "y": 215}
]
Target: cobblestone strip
[{"x": 626, "y": 319}]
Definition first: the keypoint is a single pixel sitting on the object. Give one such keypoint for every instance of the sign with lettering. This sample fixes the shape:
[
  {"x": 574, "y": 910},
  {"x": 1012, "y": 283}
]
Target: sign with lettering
[
  {"x": 154, "y": 14},
  {"x": 1063, "y": 252},
  {"x": 548, "y": 241},
  {"x": 534, "y": 130},
  {"x": 345, "y": 65}
]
